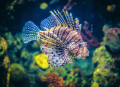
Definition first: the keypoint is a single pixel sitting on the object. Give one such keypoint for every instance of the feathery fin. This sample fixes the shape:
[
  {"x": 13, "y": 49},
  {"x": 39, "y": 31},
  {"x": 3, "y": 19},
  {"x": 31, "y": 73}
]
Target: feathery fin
[
  {"x": 57, "y": 19},
  {"x": 48, "y": 23},
  {"x": 30, "y": 32}
]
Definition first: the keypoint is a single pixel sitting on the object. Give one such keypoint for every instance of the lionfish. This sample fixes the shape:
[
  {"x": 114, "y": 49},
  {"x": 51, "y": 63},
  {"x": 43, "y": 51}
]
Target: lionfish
[{"x": 61, "y": 40}]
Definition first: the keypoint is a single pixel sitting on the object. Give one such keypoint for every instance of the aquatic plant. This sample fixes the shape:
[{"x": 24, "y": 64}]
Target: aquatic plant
[{"x": 9, "y": 38}]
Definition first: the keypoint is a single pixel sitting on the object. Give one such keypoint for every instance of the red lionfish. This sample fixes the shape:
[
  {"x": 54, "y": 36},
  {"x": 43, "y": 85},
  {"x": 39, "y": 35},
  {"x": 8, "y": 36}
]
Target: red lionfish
[{"x": 61, "y": 41}]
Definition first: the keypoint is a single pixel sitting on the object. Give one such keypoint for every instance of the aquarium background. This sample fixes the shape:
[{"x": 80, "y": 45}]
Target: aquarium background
[{"x": 24, "y": 65}]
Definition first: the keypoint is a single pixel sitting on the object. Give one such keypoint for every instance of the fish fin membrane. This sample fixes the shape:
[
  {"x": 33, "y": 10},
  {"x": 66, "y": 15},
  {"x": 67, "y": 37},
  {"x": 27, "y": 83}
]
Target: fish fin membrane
[
  {"x": 48, "y": 23},
  {"x": 56, "y": 56},
  {"x": 30, "y": 32}
]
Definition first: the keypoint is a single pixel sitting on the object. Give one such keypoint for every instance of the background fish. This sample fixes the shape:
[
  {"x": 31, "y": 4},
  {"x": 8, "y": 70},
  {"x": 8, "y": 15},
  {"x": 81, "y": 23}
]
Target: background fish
[{"x": 61, "y": 41}]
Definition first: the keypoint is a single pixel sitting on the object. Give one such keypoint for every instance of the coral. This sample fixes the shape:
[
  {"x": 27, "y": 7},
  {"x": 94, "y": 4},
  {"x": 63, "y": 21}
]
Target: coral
[
  {"x": 112, "y": 39},
  {"x": 53, "y": 80},
  {"x": 72, "y": 76},
  {"x": 101, "y": 55},
  {"x": 103, "y": 74},
  {"x": 6, "y": 62},
  {"x": 17, "y": 72},
  {"x": 41, "y": 60},
  {"x": 95, "y": 84},
  {"x": 69, "y": 5},
  {"x": 3, "y": 45},
  {"x": 12, "y": 5},
  {"x": 43, "y": 6},
  {"x": 8, "y": 77},
  {"x": 111, "y": 8},
  {"x": 88, "y": 37}
]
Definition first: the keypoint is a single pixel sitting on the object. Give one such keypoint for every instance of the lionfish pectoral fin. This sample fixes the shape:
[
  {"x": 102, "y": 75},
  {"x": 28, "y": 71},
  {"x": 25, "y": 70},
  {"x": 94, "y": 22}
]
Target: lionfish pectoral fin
[
  {"x": 48, "y": 23},
  {"x": 30, "y": 32}
]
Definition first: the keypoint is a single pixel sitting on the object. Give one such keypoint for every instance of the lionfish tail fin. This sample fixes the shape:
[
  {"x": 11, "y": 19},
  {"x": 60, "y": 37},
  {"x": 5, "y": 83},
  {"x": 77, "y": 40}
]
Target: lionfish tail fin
[{"x": 30, "y": 32}]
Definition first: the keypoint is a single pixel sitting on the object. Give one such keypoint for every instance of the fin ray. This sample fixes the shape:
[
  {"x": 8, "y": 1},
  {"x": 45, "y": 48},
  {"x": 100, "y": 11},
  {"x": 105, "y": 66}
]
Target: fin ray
[{"x": 57, "y": 19}]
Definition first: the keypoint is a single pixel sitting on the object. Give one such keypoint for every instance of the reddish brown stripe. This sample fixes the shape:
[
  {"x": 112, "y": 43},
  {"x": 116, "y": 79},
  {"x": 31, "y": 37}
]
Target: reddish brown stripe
[
  {"x": 78, "y": 51},
  {"x": 54, "y": 29},
  {"x": 75, "y": 48},
  {"x": 64, "y": 33},
  {"x": 61, "y": 32},
  {"x": 74, "y": 36},
  {"x": 67, "y": 35},
  {"x": 71, "y": 38},
  {"x": 75, "y": 39},
  {"x": 58, "y": 31},
  {"x": 79, "y": 40}
]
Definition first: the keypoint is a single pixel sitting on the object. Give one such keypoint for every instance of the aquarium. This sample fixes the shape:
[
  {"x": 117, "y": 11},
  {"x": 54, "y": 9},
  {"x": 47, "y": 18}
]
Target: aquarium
[{"x": 60, "y": 43}]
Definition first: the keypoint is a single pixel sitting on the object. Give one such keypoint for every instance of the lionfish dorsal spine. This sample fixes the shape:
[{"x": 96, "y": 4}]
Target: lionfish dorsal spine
[
  {"x": 62, "y": 18},
  {"x": 66, "y": 20},
  {"x": 71, "y": 18},
  {"x": 77, "y": 25},
  {"x": 69, "y": 22},
  {"x": 57, "y": 20}
]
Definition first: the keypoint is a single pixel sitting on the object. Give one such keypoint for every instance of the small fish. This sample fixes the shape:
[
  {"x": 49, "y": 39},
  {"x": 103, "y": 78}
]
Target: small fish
[{"x": 61, "y": 41}]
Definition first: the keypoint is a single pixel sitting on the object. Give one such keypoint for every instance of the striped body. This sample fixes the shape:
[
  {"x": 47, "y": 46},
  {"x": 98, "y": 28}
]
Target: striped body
[{"x": 70, "y": 40}]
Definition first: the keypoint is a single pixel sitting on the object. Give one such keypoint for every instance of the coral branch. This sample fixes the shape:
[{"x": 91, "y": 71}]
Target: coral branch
[
  {"x": 69, "y": 5},
  {"x": 88, "y": 37}
]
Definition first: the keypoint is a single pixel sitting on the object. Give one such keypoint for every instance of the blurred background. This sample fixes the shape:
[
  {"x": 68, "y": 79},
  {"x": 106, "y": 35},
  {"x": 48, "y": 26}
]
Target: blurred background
[{"x": 24, "y": 65}]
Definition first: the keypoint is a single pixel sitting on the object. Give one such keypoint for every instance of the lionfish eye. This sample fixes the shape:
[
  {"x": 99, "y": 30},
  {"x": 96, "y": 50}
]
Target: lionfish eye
[{"x": 79, "y": 45}]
